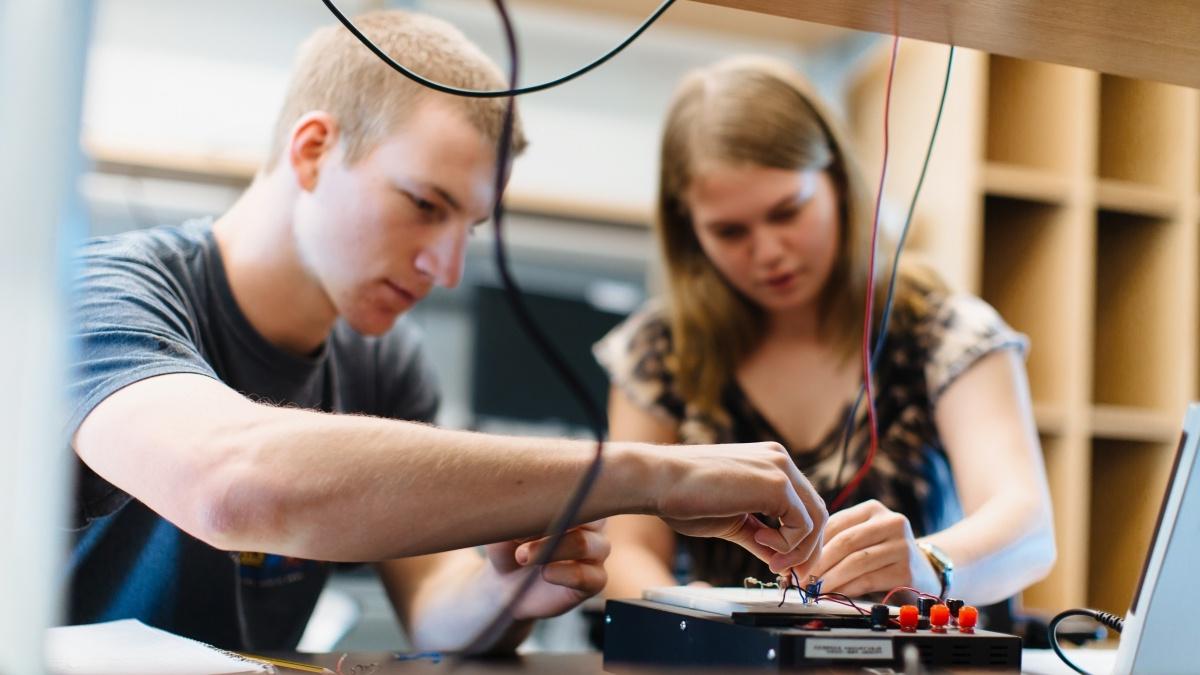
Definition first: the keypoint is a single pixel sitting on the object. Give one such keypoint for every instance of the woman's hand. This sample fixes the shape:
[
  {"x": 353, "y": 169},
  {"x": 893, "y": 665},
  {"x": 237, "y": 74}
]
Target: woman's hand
[{"x": 870, "y": 548}]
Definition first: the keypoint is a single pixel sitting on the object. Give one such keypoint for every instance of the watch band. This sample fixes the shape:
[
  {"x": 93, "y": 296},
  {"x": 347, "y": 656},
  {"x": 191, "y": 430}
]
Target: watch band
[{"x": 942, "y": 565}]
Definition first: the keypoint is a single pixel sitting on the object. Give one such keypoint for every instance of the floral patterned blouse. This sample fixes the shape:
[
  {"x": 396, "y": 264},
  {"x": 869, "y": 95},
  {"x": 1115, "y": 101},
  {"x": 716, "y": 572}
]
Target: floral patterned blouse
[{"x": 923, "y": 355}]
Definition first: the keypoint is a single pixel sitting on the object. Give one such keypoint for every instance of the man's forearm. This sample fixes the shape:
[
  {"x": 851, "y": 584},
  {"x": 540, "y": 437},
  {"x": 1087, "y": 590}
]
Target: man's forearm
[{"x": 338, "y": 487}]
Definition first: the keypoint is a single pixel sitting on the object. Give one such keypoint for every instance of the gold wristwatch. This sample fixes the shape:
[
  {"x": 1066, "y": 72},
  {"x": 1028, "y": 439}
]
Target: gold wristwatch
[{"x": 941, "y": 563}]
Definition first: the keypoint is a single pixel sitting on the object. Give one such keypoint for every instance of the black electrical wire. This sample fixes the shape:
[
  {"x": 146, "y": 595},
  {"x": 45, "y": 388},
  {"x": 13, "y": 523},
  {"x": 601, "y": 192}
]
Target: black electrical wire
[
  {"x": 881, "y": 339},
  {"x": 491, "y": 633},
  {"x": 513, "y": 90},
  {"x": 1111, "y": 621}
]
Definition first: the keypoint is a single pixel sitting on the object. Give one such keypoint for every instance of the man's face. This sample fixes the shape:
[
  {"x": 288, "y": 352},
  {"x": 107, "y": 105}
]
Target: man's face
[{"x": 378, "y": 235}]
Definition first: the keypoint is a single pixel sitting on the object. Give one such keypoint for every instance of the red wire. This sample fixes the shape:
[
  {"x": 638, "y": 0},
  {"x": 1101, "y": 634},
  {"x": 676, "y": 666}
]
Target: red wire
[
  {"x": 870, "y": 303},
  {"x": 906, "y": 588}
]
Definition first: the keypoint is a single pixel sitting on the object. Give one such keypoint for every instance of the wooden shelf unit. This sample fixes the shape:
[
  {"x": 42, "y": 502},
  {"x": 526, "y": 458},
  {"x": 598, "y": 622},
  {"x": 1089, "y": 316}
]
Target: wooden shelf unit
[
  {"x": 1128, "y": 480},
  {"x": 1082, "y": 227}
]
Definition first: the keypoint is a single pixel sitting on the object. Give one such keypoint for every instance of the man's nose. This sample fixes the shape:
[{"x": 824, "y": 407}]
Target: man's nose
[{"x": 442, "y": 260}]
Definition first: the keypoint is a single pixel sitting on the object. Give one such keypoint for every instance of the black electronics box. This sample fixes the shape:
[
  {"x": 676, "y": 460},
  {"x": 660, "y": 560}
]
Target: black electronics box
[{"x": 640, "y": 633}]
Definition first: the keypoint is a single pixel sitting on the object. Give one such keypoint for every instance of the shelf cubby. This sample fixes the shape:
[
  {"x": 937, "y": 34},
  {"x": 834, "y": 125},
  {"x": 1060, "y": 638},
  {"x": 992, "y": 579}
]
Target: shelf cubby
[
  {"x": 1022, "y": 182},
  {"x": 1141, "y": 124},
  {"x": 1067, "y": 465},
  {"x": 1138, "y": 332},
  {"x": 1024, "y": 244},
  {"x": 1122, "y": 196},
  {"x": 1111, "y": 422},
  {"x": 1034, "y": 114},
  {"x": 1128, "y": 480}
]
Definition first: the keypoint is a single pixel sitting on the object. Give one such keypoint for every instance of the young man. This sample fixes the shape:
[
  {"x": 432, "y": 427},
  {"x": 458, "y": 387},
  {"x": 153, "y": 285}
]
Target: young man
[{"x": 241, "y": 386}]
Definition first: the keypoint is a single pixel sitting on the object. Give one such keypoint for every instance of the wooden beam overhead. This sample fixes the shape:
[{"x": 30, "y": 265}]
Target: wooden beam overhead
[
  {"x": 718, "y": 20},
  {"x": 1145, "y": 39}
]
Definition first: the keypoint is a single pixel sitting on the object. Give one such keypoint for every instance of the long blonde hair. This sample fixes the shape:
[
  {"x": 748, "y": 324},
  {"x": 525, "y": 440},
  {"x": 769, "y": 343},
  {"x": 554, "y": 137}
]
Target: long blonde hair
[{"x": 756, "y": 111}]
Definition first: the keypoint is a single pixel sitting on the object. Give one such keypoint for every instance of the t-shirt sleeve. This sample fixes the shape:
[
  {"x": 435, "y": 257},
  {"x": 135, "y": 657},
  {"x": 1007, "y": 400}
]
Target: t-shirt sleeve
[
  {"x": 129, "y": 323},
  {"x": 635, "y": 355},
  {"x": 961, "y": 331}
]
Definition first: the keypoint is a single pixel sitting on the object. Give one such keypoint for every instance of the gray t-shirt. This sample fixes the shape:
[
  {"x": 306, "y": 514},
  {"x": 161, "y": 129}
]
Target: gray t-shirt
[{"x": 158, "y": 301}]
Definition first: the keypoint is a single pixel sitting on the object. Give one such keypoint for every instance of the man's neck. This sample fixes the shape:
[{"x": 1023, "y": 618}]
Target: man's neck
[{"x": 266, "y": 274}]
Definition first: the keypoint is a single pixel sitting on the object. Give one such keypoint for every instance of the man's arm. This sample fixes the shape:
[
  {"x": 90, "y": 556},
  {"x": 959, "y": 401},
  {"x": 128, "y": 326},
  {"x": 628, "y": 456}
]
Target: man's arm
[{"x": 242, "y": 475}]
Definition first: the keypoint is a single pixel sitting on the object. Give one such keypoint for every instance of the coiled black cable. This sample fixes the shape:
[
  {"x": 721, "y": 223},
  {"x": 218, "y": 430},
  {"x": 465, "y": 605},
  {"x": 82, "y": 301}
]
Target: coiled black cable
[
  {"x": 1111, "y": 621},
  {"x": 513, "y": 89},
  {"x": 491, "y": 633}
]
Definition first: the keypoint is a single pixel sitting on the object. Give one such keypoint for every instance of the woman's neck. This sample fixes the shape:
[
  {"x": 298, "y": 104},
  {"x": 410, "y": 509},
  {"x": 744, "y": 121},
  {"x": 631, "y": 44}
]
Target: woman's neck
[{"x": 799, "y": 325}]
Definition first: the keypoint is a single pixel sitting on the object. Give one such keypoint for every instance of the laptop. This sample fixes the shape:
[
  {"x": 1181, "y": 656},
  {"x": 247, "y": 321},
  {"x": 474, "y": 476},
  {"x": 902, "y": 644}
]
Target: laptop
[{"x": 1160, "y": 632}]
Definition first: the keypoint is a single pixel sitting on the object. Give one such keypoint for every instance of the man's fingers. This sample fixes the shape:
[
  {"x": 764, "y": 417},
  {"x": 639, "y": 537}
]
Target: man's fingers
[
  {"x": 801, "y": 557},
  {"x": 745, "y": 534},
  {"x": 584, "y": 577},
  {"x": 577, "y": 544},
  {"x": 797, "y": 521}
]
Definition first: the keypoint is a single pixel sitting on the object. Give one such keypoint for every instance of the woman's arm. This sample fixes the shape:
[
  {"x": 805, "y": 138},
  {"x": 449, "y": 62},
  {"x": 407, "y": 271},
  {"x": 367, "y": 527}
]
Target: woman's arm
[
  {"x": 643, "y": 547},
  {"x": 1006, "y": 539}
]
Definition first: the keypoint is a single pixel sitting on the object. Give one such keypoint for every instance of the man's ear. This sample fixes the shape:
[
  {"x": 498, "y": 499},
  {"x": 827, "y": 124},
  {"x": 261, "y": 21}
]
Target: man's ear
[{"x": 312, "y": 141}]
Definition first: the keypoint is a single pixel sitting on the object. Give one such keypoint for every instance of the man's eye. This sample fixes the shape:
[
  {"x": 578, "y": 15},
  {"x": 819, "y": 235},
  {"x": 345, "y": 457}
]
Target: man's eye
[{"x": 424, "y": 205}]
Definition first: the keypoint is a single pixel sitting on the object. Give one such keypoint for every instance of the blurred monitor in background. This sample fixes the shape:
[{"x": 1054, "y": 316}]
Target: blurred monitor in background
[{"x": 512, "y": 385}]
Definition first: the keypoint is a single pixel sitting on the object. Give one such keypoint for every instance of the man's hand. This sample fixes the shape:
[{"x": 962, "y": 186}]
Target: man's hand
[
  {"x": 871, "y": 548},
  {"x": 716, "y": 490},
  {"x": 575, "y": 571}
]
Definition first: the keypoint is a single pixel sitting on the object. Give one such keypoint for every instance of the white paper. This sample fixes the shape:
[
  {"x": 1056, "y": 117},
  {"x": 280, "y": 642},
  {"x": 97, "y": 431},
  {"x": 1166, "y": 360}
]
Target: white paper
[{"x": 130, "y": 647}]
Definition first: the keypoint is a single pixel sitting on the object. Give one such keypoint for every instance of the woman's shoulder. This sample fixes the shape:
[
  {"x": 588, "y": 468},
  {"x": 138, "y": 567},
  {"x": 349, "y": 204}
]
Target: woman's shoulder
[
  {"x": 646, "y": 331},
  {"x": 637, "y": 355},
  {"x": 953, "y": 330}
]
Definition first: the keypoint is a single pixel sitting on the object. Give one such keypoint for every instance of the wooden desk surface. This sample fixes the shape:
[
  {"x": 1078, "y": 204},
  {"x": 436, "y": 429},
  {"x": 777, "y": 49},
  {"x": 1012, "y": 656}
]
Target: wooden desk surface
[{"x": 1034, "y": 662}]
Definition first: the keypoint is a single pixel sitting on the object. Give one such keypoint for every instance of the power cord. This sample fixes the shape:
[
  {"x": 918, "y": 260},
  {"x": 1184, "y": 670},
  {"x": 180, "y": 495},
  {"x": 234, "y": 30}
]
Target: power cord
[
  {"x": 1111, "y": 621},
  {"x": 513, "y": 89}
]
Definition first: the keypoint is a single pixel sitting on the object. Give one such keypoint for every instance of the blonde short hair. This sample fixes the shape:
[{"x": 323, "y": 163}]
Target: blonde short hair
[{"x": 337, "y": 74}]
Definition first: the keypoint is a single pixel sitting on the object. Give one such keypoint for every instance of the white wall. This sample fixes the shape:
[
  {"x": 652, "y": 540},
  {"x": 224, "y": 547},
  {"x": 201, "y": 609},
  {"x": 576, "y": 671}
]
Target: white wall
[{"x": 192, "y": 78}]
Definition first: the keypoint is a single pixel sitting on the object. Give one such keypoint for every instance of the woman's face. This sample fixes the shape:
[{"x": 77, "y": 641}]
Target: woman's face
[{"x": 771, "y": 233}]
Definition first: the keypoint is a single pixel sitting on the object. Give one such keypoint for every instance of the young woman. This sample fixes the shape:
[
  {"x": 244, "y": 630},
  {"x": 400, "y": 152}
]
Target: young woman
[{"x": 764, "y": 224}]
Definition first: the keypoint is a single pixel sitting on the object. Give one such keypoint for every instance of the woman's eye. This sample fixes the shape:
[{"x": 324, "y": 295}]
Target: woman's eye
[
  {"x": 784, "y": 216},
  {"x": 730, "y": 233}
]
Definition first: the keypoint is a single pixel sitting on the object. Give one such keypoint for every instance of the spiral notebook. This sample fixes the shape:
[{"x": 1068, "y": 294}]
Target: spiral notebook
[{"x": 130, "y": 647}]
